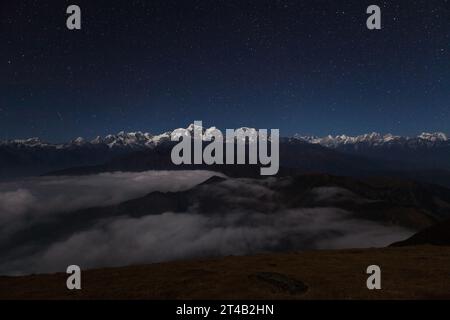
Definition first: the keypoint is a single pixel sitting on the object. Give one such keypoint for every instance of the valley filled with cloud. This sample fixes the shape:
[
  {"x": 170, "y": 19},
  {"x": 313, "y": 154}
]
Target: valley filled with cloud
[{"x": 47, "y": 224}]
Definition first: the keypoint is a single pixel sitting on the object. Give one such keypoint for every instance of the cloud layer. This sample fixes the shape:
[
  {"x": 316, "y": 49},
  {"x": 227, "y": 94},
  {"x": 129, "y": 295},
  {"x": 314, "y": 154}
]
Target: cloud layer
[
  {"x": 247, "y": 226},
  {"x": 33, "y": 198}
]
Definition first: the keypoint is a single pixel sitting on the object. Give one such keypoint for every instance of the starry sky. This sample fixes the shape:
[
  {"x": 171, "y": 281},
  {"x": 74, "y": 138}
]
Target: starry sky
[{"x": 309, "y": 67}]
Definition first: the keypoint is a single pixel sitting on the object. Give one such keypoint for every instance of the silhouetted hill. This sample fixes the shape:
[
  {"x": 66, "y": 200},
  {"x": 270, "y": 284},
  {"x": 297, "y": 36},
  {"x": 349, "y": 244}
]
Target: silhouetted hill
[
  {"x": 296, "y": 157},
  {"x": 438, "y": 235}
]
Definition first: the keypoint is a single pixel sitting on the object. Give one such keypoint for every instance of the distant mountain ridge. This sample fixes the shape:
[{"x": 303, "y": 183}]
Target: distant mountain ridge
[
  {"x": 427, "y": 151},
  {"x": 377, "y": 140},
  {"x": 140, "y": 140},
  {"x": 133, "y": 140},
  {"x": 33, "y": 156},
  {"x": 119, "y": 140},
  {"x": 424, "y": 157}
]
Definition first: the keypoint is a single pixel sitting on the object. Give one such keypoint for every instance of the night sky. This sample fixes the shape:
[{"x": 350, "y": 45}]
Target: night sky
[{"x": 309, "y": 67}]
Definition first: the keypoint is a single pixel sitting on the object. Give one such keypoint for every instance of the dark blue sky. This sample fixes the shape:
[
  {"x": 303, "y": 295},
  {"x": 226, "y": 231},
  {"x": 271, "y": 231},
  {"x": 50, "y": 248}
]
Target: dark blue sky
[{"x": 310, "y": 67}]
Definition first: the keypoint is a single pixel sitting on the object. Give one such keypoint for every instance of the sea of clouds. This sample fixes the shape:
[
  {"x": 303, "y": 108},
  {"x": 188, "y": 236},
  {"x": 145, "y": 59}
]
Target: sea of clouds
[{"x": 245, "y": 229}]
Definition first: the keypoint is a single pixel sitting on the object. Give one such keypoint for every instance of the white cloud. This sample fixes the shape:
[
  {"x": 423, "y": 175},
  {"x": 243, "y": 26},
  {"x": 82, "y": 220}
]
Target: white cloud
[
  {"x": 45, "y": 195},
  {"x": 241, "y": 223}
]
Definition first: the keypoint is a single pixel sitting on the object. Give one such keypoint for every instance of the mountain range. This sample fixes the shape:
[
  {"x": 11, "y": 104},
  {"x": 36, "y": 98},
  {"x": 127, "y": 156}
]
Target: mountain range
[
  {"x": 378, "y": 140},
  {"x": 424, "y": 157},
  {"x": 140, "y": 140}
]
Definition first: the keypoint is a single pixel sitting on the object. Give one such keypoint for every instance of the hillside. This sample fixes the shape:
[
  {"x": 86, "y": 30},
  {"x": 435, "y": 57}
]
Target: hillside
[
  {"x": 407, "y": 273},
  {"x": 437, "y": 234}
]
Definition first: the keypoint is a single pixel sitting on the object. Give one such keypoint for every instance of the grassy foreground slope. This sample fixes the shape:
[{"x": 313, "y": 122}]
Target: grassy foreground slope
[{"x": 421, "y": 272}]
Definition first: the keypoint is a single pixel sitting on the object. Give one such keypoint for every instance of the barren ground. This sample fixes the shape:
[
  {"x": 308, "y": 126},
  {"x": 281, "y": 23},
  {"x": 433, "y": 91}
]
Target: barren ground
[{"x": 421, "y": 272}]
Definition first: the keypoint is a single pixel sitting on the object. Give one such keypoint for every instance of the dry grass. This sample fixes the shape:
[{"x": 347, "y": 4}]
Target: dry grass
[{"x": 407, "y": 273}]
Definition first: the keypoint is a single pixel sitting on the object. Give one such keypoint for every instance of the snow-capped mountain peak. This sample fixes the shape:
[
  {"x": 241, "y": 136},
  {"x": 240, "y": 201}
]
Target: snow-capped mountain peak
[
  {"x": 29, "y": 142},
  {"x": 437, "y": 136},
  {"x": 375, "y": 139},
  {"x": 78, "y": 141}
]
